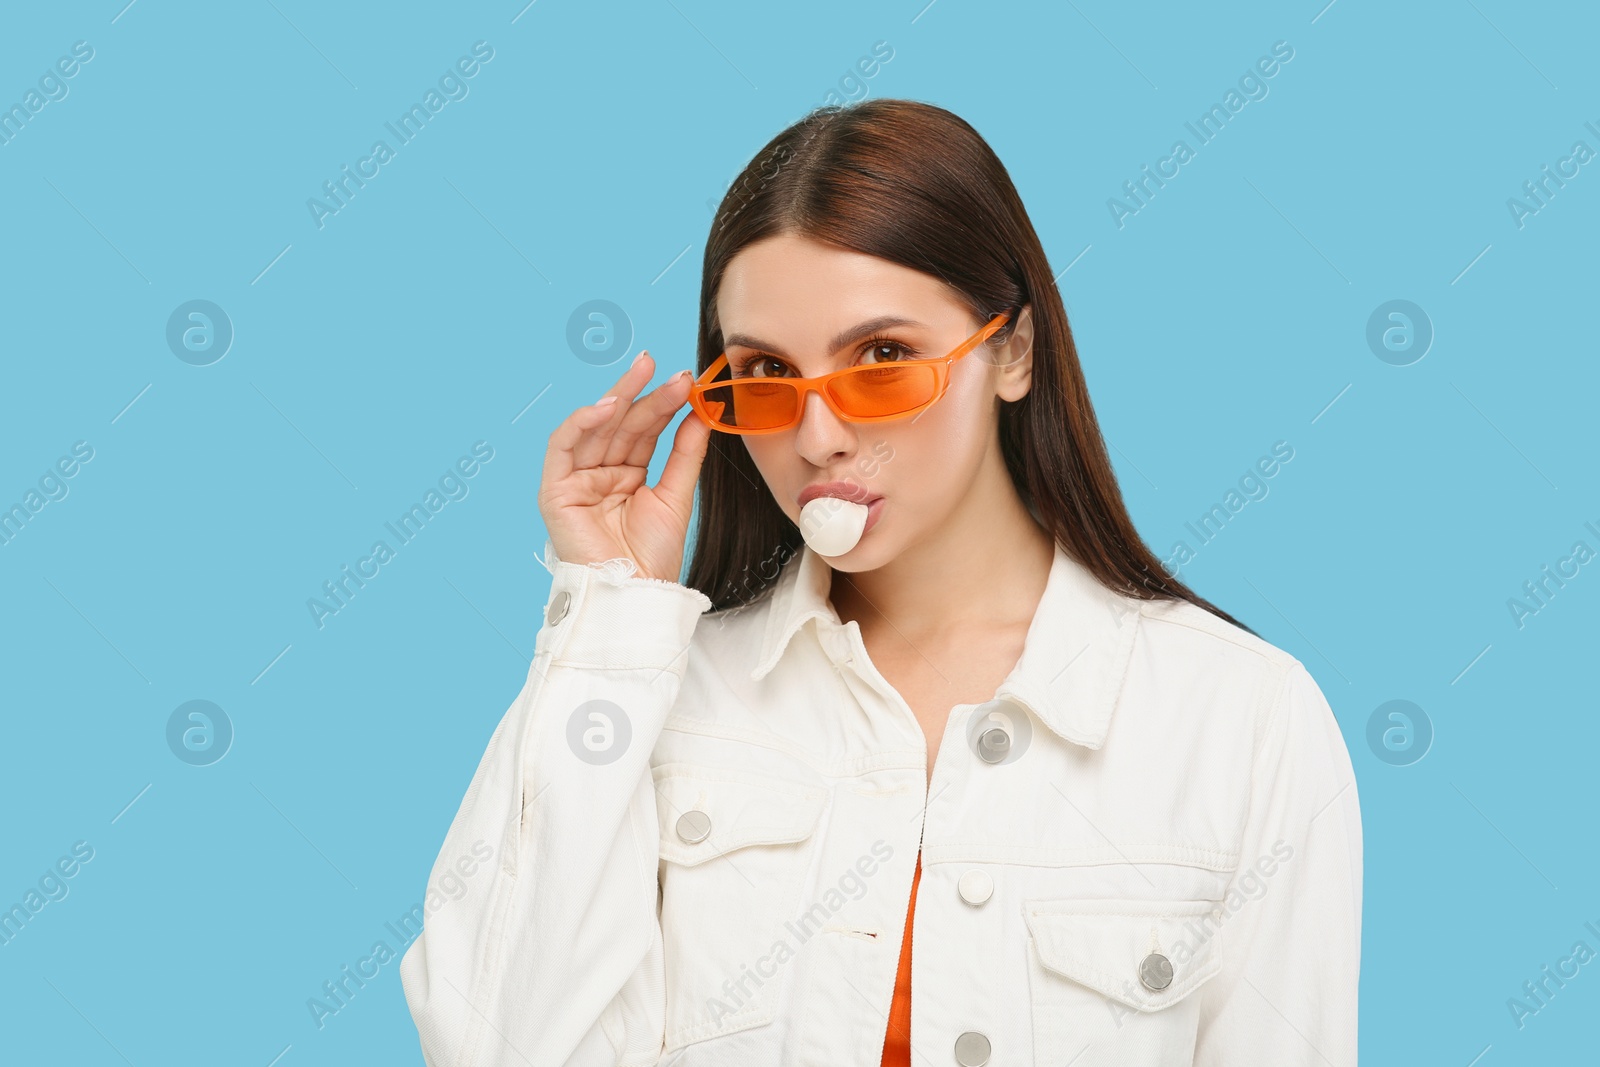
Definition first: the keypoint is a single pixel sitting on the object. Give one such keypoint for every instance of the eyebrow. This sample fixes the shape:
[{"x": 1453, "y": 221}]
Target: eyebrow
[{"x": 844, "y": 337}]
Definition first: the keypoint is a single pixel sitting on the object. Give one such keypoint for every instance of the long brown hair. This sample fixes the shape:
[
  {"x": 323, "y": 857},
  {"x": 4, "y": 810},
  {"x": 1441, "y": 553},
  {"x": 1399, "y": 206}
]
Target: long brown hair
[{"x": 916, "y": 185}]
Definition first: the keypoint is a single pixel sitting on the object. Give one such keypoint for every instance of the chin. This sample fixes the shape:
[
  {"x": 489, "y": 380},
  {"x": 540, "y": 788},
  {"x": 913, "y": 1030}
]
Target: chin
[{"x": 868, "y": 555}]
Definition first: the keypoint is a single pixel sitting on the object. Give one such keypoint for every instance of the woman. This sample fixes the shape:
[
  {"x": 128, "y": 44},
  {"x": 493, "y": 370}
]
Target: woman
[{"x": 1128, "y": 826}]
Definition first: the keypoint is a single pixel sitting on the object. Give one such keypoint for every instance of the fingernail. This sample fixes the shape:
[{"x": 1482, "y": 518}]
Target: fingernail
[
  {"x": 604, "y": 401},
  {"x": 680, "y": 376}
]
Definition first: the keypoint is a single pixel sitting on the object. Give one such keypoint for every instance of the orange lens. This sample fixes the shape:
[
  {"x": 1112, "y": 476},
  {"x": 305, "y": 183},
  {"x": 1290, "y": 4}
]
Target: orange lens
[
  {"x": 753, "y": 404},
  {"x": 878, "y": 391},
  {"x": 866, "y": 392}
]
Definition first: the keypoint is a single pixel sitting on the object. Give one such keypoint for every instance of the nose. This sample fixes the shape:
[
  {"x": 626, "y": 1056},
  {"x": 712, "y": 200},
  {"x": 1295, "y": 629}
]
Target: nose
[{"x": 822, "y": 436}]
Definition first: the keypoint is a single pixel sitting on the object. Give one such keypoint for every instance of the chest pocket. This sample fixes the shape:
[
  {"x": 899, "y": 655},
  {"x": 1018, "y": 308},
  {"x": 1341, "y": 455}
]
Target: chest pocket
[
  {"x": 1114, "y": 981},
  {"x": 736, "y": 850}
]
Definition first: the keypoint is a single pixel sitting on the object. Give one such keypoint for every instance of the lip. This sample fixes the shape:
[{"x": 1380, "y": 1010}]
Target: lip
[
  {"x": 874, "y": 509},
  {"x": 844, "y": 490},
  {"x": 847, "y": 491}
]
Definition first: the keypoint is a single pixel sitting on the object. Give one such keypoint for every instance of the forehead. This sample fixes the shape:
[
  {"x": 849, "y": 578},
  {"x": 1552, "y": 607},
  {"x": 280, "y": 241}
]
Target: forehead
[{"x": 798, "y": 293}]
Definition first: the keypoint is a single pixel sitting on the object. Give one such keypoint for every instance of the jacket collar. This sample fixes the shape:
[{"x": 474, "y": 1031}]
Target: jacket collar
[{"x": 1073, "y": 660}]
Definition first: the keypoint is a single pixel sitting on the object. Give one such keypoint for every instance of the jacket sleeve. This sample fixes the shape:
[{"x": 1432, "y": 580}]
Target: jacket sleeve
[
  {"x": 553, "y": 955},
  {"x": 1290, "y": 932}
]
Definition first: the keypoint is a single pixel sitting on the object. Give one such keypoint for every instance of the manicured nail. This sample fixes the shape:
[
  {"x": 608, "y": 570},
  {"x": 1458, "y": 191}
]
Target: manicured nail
[
  {"x": 637, "y": 358},
  {"x": 605, "y": 401}
]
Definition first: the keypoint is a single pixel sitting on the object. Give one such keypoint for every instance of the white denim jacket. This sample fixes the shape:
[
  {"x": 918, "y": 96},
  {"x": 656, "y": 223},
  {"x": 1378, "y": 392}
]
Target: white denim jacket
[{"x": 1145, "y": 850}]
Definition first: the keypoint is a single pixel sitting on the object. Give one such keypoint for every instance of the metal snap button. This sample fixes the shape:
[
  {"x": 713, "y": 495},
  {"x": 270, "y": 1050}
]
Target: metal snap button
[
  {"x": 972, "y": 1049},
  {"x": 994, "y": 744},
  {"x": 975, "y": 886},
  {"x": 694, "y": 826},
  {"x": 558, "y": 607},
  {"x": 1155, "y": 971}
]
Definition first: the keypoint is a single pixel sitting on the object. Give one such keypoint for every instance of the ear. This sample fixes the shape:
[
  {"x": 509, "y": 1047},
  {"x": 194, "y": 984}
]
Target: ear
[{"x": 1014, "y": 359}]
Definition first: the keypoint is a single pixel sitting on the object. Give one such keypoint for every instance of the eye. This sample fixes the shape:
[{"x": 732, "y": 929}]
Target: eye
[
  {"x": 884, "y": 350},
  {"x": 878, "y": 350},
  {"x": 757, "y": 367}
]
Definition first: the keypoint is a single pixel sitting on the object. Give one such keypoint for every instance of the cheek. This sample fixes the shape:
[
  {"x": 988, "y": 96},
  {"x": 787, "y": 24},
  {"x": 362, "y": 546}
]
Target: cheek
[
  {"x": 953, "y": 431},
  {"x": 937, "y": 456},
  {"x": 773, "y": 455}
]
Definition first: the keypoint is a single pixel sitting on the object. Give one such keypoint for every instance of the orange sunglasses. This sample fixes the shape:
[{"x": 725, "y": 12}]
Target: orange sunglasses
[{"x": 867, "y": 392}]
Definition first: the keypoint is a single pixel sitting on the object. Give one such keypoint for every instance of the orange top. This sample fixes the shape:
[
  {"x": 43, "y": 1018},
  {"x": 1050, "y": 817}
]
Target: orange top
[{"x": 897, "y": 1045}]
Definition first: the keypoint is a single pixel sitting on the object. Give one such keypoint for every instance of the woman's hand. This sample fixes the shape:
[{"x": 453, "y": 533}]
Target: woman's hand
[{"x": 592, "y": 494}]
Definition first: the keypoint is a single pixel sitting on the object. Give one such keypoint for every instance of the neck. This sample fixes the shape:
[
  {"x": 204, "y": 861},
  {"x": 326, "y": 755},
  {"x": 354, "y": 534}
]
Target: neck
[{"x": 986, "y": 565}]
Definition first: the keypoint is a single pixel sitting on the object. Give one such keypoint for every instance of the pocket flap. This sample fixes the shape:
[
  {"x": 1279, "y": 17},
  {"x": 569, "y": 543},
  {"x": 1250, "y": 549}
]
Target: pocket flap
[
  {"x": 739, "y": 808},
  {"x": 1103, "y": 944}
]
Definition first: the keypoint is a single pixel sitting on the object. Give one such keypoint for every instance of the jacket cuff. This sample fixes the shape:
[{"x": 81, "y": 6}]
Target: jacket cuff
[{"x": 597, "y": 618}]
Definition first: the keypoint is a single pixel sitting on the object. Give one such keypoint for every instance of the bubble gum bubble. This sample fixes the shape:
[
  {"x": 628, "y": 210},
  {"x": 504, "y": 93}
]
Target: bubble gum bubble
[{"x": 832, "y": 526}]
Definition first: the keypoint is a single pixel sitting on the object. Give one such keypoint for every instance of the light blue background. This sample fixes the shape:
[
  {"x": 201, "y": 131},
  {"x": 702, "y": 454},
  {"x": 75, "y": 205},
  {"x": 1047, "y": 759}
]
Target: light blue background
[{"x": 369, "y": 354}]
